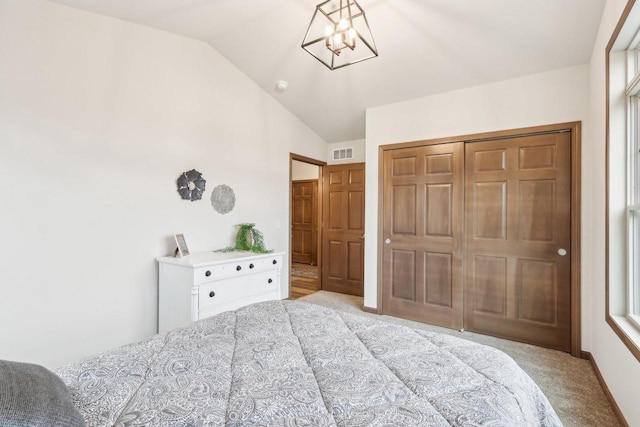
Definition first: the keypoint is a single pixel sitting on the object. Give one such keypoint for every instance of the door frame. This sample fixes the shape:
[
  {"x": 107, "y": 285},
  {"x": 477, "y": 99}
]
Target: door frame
[
  {"x": 575, "y": 174},
  {"x": 320, "y": 225}
]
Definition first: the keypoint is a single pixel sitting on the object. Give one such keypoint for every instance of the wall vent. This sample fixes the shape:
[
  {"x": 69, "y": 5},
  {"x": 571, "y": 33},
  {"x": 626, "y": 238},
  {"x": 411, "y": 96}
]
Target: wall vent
[{"x": 343, "y": 154}]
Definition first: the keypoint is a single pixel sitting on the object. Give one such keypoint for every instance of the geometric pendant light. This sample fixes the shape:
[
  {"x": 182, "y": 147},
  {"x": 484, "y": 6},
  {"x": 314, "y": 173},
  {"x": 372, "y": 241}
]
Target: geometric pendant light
[{"x": 339, "y": 34}]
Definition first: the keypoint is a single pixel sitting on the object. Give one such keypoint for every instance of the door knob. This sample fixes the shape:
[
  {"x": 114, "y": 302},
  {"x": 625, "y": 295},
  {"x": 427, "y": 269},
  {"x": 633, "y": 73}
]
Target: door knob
[
  {"x": 562, "y": 252},
  {"x": 387, "y": 241}
]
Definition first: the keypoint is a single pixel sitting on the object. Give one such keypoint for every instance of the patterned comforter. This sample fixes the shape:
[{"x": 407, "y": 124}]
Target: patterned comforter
[{"x": 286, "y": 363}]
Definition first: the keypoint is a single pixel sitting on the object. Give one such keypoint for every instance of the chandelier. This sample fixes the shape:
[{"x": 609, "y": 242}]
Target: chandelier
[{"x": 339, "y": 34}]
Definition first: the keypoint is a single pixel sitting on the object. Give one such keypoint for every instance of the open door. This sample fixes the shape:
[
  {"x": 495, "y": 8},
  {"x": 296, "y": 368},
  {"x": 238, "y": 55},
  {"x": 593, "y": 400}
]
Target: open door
[{"x": 343, "y": 229}]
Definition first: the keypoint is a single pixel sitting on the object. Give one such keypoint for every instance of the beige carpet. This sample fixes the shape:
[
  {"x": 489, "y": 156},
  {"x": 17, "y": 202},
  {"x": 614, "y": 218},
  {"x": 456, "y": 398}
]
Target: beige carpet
[
  {"x": 304, "y": 270},
  {"x": 569, "y": 383}
]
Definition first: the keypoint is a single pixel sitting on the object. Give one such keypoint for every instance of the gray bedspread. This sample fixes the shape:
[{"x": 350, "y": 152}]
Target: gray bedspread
[{"x": 286, "y": 363}]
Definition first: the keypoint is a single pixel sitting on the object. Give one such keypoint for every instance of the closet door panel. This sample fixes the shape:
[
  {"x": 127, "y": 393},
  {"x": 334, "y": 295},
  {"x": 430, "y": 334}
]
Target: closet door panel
[
  {"x": 423, "y": 233},
  {"x": 518, "y": 278}
]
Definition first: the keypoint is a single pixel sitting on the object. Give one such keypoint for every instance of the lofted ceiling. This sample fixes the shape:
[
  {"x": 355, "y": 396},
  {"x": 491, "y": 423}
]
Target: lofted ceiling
[{"x": 425, "y": 46}]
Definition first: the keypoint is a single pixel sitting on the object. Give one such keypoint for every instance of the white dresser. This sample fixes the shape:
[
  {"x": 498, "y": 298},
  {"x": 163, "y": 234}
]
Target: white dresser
[{"x": 204, "y": 284}]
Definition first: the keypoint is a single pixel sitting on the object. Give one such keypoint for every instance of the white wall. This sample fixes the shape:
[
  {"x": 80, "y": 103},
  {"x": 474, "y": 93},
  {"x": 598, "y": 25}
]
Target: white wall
[
  {"x": 359, "y": 151},
  {"x": 98, "y": 117},
  {"x": 302, "y": 170},
  {"x": 619, "y": 368}
]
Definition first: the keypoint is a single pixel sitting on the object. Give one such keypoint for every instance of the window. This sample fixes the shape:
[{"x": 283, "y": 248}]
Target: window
[
  {"x": 633, "y": 197},
  {"x": 623, "y": 173}
]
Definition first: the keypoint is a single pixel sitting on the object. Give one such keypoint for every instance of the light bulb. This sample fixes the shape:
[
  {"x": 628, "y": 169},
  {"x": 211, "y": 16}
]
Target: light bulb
[
  {"x": 328, "y": 30},
  {"x": 343, "y": 24},
  {"x": 351, "y": 34}
]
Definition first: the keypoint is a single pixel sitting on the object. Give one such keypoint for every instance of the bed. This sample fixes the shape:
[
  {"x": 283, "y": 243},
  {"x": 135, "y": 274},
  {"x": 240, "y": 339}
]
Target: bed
[{"x": 288, "y": 363}]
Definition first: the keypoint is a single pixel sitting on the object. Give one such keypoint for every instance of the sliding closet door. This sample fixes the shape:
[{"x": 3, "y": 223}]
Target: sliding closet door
[
  {"x": 518, "y": 235},
  {"x": 422, "y": 234}
]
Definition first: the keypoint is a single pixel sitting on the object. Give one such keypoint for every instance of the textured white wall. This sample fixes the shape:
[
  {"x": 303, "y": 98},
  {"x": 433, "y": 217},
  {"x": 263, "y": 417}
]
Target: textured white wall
[
  {"x": 98, "y": 117},
  {"x": 302, "y": 170},
  {"x": 620, "y": 369}
]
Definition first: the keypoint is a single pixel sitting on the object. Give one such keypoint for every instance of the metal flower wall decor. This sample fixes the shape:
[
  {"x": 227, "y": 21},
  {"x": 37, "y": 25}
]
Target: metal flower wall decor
[
  {"x": 223, "y": 199},
  {"x": 191, "y": 185}
]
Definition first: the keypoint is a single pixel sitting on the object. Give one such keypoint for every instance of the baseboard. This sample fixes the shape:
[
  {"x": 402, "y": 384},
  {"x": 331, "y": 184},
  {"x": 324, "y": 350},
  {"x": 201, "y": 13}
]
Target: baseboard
[
  {"x": 370, "y": 310},
  {"x": 616, "y": 409}
]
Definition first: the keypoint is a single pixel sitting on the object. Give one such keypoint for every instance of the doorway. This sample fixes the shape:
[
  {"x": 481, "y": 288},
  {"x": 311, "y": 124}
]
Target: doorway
[
  {"x": 482, "y": 233},
  {"x": 305, "y": 225}
]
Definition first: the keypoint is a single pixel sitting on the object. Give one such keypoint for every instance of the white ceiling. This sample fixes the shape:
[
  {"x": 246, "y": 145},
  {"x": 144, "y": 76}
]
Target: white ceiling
[{"x": 425, "y": 47}]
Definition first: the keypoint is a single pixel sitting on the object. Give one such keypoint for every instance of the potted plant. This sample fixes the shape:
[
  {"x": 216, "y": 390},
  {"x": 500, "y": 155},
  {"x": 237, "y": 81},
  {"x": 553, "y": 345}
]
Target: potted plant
[{"x": 248, "y": 238}]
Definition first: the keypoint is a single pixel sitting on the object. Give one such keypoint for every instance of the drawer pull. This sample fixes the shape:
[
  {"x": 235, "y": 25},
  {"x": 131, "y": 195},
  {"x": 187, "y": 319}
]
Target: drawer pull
[
  {"x": 207, "y": 273},
  {"x": 212, "y": 294},
  {"x": 251, "y": 265},
  {"x": 275, "y": 261},
  {"x": 238, "y": 268},
  {"x": 270, "y": 281}
]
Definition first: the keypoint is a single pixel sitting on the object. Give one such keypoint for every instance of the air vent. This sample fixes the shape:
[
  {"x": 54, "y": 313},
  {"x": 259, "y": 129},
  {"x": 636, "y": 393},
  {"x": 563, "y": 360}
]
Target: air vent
[{"x": 343, "y": 154}]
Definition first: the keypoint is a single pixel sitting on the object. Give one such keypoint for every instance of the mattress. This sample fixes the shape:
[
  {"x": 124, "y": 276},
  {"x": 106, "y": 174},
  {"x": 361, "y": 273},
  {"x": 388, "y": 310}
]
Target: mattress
[{"x": 289, "y": 363}]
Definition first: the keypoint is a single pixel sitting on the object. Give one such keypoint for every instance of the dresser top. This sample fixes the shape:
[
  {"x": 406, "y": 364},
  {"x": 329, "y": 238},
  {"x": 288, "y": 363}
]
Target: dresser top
[{"x": 209, "y": 258}]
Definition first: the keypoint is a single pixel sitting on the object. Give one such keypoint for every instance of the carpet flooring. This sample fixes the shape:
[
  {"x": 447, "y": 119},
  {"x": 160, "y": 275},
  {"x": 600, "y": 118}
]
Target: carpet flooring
[{"x": 569, "y": 383}]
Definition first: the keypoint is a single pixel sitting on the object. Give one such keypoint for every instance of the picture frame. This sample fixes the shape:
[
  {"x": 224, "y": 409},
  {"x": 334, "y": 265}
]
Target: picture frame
[{"x": 183, "y": 249}]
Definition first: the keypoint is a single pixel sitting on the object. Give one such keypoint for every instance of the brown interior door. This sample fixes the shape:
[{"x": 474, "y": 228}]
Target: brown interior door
[
  {"x": 304, "y": 221},
  {"x": 423, "y": 234},
  {"x": 343, "y": 229},
  {"x": 518, "y": 231}
]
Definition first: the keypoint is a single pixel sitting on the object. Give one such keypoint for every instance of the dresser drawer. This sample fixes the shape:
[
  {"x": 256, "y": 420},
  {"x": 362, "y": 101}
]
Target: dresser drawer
[
  {"x": 224, "y": 291},
  {"x": 266, "y": 263},
  {"x": 236, "y": 269},
  {"x": 208, "y": 283}
]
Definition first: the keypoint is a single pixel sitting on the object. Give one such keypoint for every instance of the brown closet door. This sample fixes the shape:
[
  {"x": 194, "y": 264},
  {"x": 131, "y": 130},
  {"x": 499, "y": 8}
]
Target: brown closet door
[
  {"x": 304, "y": 218},
  {"x": 517, "y": 265},
  {"x": 423, "y": 233},
  {"x": 343, "y": 229}
]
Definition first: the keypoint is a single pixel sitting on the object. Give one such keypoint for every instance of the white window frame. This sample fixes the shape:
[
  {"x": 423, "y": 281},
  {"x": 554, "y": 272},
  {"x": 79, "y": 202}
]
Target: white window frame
[
  {"x": 633, "y": 210},
  {"x": 623, "y": 179},
  {"x": 632, "y": 92}
]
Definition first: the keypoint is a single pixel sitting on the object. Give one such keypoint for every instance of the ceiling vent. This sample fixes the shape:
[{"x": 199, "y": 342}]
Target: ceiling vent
[{"x": 343, "y": 154}]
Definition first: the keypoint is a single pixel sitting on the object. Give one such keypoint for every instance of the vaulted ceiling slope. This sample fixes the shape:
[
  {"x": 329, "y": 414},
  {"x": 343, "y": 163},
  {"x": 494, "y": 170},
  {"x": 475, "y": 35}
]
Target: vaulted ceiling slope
[{"x": 426, "y": 47}]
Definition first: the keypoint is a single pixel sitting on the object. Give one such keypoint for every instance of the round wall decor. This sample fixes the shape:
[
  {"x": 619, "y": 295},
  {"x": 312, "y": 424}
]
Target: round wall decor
[
  {"x": 191, "y": 185},
  {"x": 223, "y": 199}
]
